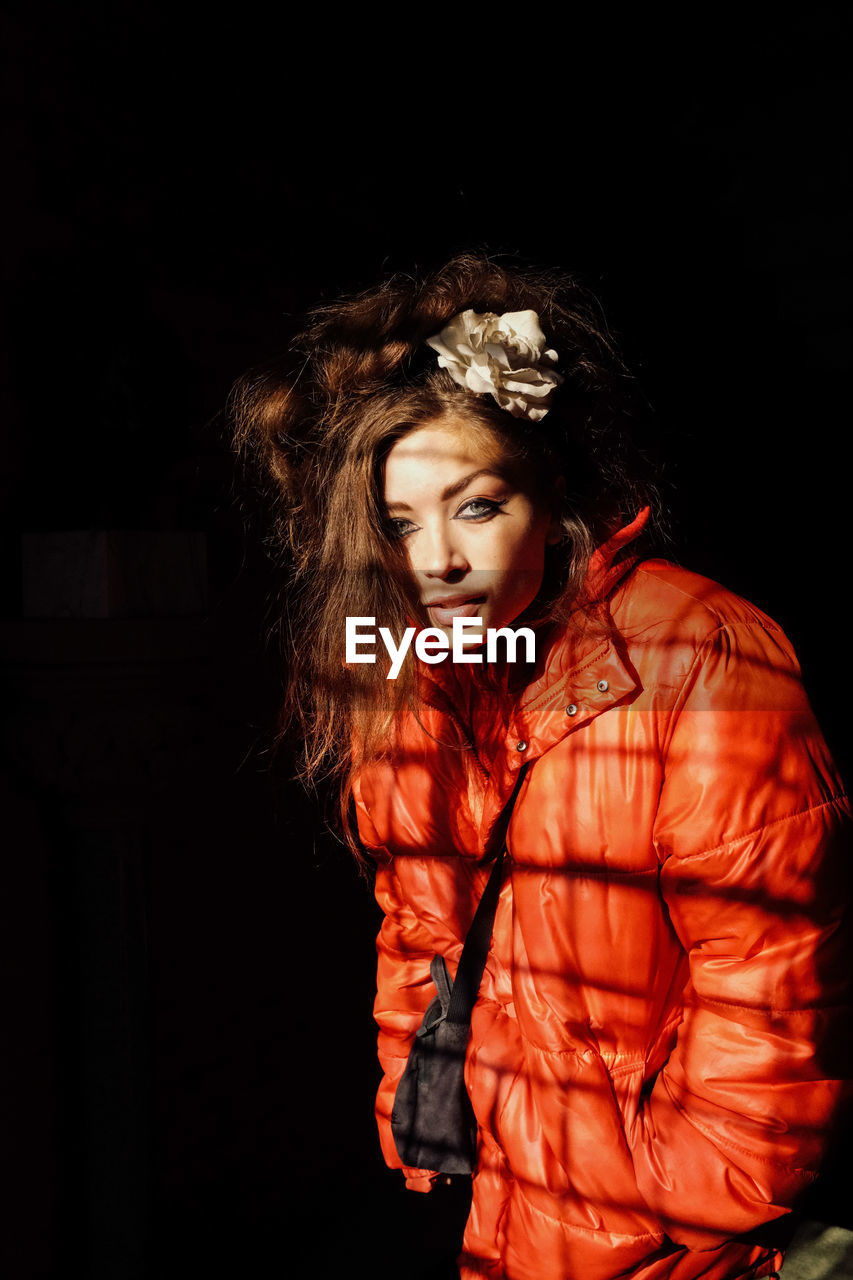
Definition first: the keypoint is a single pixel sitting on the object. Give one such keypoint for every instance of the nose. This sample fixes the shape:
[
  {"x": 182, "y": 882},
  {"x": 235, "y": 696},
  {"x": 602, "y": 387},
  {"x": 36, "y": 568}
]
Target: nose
[{"x": 439, "y": 554}]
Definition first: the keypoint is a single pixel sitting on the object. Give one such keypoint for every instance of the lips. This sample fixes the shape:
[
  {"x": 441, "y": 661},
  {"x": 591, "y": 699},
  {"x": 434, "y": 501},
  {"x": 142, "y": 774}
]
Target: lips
[{"x": 444, "y": 610}]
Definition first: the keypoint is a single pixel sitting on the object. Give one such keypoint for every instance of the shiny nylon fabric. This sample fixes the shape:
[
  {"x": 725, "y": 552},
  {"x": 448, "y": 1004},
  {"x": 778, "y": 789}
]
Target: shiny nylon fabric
[{"x": 655, "y": 1052}]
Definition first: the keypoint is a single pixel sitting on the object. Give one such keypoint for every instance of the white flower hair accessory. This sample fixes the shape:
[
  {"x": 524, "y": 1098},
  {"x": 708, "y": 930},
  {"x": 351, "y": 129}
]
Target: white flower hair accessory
[{"x": 502, "y": 356}]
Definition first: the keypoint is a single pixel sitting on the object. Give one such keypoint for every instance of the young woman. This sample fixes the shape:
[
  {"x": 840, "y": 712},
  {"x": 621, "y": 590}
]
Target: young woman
[{"x": 652, "y": 1058}]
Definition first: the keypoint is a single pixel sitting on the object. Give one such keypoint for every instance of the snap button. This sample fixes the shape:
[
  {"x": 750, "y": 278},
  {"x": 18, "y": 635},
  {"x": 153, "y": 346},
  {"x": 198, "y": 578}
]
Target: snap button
[
  {"x": 571, "y": 709},
  {"x": 521, "y": 746},
  {"x": 602, "y": 686}
]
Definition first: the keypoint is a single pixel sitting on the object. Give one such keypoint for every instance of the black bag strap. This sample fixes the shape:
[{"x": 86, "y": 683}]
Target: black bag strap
[{"x": 472, "y": 962}]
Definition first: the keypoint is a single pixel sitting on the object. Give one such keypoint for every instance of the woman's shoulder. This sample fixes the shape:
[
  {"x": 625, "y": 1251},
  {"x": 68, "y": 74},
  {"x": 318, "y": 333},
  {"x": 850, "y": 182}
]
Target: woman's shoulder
[
  {"x": 674, "y": 622},
  {"x": 661, "y": 593}
]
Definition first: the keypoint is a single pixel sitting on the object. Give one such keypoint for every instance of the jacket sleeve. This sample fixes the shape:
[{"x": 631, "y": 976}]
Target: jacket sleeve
[
  {"x": 753, "y": 833},
  {"x": 404, "y": 989}
]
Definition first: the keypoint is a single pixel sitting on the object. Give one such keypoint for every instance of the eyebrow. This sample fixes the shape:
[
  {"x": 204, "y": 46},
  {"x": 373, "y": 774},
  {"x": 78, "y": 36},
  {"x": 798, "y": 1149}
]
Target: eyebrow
[{"x": 452, "y": 489}]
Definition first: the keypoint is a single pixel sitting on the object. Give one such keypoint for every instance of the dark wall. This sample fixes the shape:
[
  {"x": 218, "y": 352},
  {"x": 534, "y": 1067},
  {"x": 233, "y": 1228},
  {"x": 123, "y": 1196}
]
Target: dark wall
[{"x": 190, "y": 954}]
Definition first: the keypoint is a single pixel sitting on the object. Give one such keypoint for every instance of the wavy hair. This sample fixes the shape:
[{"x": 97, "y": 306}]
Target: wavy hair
[{"x": 317, "y": 425}]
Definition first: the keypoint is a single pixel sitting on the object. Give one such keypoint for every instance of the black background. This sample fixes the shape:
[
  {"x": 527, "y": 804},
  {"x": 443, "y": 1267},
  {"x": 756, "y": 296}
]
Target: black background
[{"x": 190, "y": 964}]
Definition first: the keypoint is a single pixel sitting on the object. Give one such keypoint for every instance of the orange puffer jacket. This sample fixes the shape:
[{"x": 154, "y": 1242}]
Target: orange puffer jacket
[{"x": 655, "y": 1051}]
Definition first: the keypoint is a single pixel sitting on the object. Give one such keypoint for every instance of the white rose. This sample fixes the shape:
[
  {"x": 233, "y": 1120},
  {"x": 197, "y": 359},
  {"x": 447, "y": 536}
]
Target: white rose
[{"x": 503, "y": 356}]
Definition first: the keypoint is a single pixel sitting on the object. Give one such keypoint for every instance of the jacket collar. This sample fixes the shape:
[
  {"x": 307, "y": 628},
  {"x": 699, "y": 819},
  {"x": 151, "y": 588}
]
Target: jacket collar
[
  {"x": 584, "y": 672},
  {"x": 580, "y": 673}
]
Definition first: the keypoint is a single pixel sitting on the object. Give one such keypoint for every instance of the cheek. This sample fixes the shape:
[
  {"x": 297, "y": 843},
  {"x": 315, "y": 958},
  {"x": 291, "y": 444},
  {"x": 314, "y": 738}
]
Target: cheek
[
  {"x": 526, "y": 552},
  {"x": 519, "y": 546},
  {"x": 523, "y": 565}
]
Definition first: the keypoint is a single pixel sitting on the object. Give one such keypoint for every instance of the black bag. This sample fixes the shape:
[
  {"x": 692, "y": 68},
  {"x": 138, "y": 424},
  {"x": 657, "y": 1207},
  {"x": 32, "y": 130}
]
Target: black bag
[{"x": 432, "y": 1119}]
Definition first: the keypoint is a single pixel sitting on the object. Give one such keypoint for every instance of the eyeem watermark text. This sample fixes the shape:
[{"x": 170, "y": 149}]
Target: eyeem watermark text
[{"x": 433, "y": 646}]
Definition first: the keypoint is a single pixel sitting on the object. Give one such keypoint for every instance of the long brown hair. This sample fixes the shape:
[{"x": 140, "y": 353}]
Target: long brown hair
[{"x": 318, "y": 426}]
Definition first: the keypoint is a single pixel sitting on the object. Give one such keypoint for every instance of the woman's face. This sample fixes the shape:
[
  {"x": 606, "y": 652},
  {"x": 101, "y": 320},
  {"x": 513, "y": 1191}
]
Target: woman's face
[{"x": 471, "y": 520}]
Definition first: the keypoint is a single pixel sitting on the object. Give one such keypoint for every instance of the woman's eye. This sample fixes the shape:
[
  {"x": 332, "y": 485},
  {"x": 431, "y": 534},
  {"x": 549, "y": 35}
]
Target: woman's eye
[
  {"x": 399, "y": 528},
  {"x": 479, "y": 508}
]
